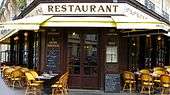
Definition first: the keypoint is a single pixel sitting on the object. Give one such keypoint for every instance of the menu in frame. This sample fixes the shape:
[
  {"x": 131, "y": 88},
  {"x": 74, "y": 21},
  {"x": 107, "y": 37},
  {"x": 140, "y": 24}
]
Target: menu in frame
[{"x": 111, "y": 54}]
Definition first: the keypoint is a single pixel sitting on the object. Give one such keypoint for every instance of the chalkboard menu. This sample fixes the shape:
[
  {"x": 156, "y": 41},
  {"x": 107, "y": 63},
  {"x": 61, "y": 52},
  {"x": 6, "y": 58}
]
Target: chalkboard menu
[
  {"x": 52, "y": 59},
  {"x": 112, "y": 83}
]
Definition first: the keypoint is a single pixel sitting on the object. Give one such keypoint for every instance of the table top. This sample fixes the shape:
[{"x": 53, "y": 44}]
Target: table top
[{"x": 47, "y": 76}]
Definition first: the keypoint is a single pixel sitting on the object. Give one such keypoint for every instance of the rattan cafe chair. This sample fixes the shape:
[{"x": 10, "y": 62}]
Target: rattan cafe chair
[
  {"x": 32, "y": 87},
  {"x": 129, "y": 81},
  {"x": 165, "y": 83},
  {"x": 35, "y": 75},
  {"x": 146, "y": 84},
  {"x": 16, "y": 77},
  {"x": 143, "y": 71},
  {"x": 61, "y": 86},
  {"x": 7, "y": 75}
]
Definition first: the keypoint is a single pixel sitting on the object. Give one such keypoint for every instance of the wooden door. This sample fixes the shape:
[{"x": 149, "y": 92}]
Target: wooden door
[{"x": 82, "y": 60}]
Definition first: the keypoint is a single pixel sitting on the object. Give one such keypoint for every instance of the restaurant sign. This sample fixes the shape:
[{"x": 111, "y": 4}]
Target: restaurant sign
[{"x": 82, "y": 8}]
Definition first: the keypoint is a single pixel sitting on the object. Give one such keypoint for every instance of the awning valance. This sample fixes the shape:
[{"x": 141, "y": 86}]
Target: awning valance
[
  {"x": 79, "y": 22},
  {"x": 123, "y": 22}
]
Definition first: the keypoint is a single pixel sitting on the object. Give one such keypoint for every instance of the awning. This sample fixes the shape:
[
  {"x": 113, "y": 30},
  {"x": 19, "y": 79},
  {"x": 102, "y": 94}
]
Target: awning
[
  {"x": 30, "y": 23},
  {"x": 79, "y": 22},
  {"x": 7, "y": 34},
  {"x": 124, "y": 22},
  {"x": 9, "y": 28},
  {"x": 119, "y": 22}
]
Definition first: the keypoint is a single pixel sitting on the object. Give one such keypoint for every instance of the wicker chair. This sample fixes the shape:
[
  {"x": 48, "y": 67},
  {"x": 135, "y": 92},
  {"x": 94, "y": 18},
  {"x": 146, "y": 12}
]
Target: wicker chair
[
  {"x": 61, "y": 86},
  {"x": 35, "y": 75},
  {"x": 16, "y": 77},
  {"x": 165, "y": 83},
  {"x": 129, "y": 81},
  {"x": 146, "y": 83},
  {"x": 32, "y": 87},
  {"x": 7, "y": 75}
]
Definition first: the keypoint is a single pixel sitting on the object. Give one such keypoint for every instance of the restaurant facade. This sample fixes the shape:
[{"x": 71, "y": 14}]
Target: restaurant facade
[{"x": 95, "y": 41}]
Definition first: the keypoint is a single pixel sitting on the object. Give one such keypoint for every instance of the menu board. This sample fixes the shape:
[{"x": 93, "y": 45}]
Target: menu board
[
  {"x": 52, "y": 59},
  {"x": 112, "y": 83}
]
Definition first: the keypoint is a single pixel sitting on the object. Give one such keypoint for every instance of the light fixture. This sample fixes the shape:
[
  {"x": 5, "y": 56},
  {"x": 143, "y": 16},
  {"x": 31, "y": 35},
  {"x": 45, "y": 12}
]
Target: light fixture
[
  {"x": 25, "y": 34},
  {"x": 148, "y": 35},
  {"x": 159, "y": 38},
  {"x": 16, "y": 38},
  {"x": 74, "y": 34},
  {"x": 134, "y": 44}
]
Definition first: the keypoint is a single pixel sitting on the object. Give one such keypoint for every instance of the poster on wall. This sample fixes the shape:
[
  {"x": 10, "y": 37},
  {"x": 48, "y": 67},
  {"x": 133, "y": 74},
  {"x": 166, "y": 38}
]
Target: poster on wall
[{"x": 111, "y": 54}]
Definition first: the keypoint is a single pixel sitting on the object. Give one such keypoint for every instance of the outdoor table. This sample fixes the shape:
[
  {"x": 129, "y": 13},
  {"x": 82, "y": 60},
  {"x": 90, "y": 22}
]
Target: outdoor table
[{"x": 48, "y": 81}]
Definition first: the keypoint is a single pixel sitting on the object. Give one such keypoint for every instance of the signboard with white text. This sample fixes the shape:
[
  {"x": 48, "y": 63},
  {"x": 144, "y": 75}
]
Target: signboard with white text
[
  {"x": 82, "y": 8},
  {"x": 110, "y": 9}
]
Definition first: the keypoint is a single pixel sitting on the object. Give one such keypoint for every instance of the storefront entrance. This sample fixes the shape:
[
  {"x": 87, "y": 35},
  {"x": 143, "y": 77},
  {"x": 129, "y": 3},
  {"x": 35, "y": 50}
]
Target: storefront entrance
[{"x": 82, "y": 59}]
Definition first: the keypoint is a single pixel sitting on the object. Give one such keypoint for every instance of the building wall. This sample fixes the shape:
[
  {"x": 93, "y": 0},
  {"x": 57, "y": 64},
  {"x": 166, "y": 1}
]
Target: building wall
[{"x": 161, "y": 7}]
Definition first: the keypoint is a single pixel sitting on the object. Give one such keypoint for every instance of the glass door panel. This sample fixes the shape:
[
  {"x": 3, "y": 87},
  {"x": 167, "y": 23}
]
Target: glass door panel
[
  {"x": 90, "y": 49},
  {"x": 73, "y": 59}
]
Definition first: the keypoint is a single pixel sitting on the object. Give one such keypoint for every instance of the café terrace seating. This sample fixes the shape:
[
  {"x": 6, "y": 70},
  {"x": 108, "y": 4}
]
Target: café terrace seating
[
  {"x": 17, "y": 76},
  {"x": 148, "y": 80}
]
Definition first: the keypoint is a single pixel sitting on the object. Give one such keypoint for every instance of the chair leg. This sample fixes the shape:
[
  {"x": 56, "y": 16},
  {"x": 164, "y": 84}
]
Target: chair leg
[
  {"x": 149, "y": 88},
  {"x": 142, "y": 89},
  {"x": 130, "y": 87},
  {"x": 26, "y": 90},
  {"x": 162, "y": 91},
  {"x": 19, "y": 84},
  {"x": 124, "y": 87},
  {"x": 52, "y": 91},
  {"x": 13, "y": 84},
  {"x": 34, "y": 91}
]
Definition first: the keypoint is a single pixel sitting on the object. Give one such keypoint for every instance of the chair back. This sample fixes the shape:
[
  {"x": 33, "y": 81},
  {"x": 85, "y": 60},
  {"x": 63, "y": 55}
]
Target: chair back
[
  {"x": 29, "y": 76},
  {"x": 24, "y": 69},
  {"x": 34, "y": 74},
  {"x": 64, "y": 79},
  {"x": 144, "y": 71},
  {"x": 160, "y": 72},
  {"x": 146, "y": 78},
  {"x": 165, "y": 79},
  {"x": 158, "y": 69},
  {"x": 7, "y": 71},
  {"x": 127, "y": 75},
  {"x": 17, "y": 73}
]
